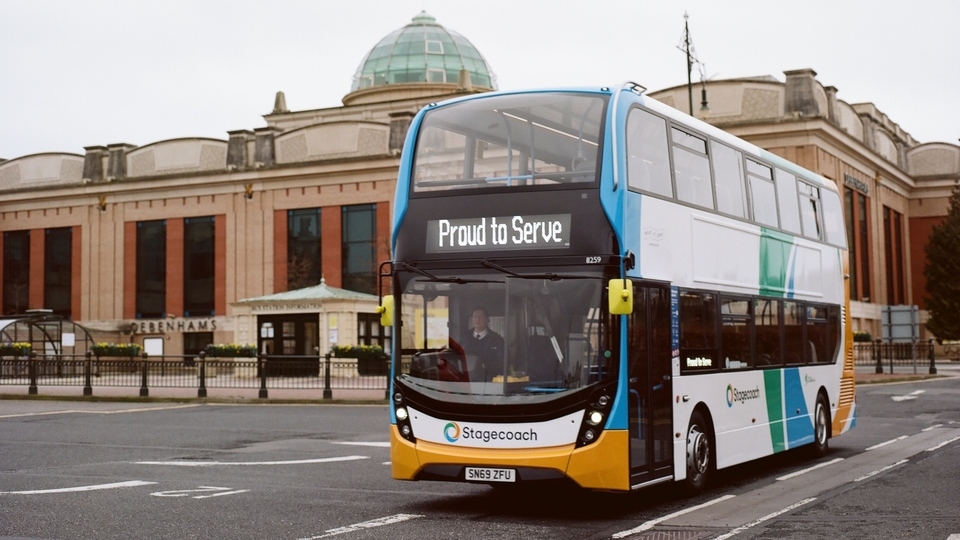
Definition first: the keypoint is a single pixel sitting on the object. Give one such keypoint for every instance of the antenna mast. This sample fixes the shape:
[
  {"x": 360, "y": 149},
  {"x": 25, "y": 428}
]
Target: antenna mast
[
  {"x": 686, "y": 45},
  {"x": 687, "y": 48}
]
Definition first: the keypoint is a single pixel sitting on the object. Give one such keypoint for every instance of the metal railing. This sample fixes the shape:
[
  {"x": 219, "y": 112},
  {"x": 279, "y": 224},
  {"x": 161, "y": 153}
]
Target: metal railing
[
  {"x": 921, "y": 354},
  {"x": 264, "y": 372}
]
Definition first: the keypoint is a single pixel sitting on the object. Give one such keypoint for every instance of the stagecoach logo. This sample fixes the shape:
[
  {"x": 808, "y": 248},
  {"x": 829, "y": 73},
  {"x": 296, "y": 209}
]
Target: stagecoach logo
[
  {"x": 452, "y": 431},
  {"x": 550, "y": 231},
  {"x": 734, "y": 395}
]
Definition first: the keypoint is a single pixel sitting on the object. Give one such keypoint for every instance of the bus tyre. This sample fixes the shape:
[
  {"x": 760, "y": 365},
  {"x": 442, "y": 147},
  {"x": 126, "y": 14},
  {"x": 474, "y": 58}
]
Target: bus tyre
[
  {"x": 699, "y": 453},
  {"x": 821, "y": 428}
]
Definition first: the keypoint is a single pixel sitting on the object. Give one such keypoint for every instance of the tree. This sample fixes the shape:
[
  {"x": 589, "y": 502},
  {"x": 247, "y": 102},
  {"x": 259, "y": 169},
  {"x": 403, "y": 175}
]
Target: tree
[{"x": 943, "y": 274}]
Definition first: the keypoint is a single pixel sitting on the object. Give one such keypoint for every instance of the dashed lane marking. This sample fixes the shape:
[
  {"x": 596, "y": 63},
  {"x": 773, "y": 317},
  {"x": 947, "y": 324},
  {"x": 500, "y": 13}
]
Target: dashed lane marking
[
  {"x": 375, "y": 444},
  {"x": 654, "y": 522},
  {"x": 230, "y": 463},
  {"x": 380, "y": 522},
  {"x": 809, "y": 469},
  {"x": 887, "y": 468},
  {"x": 881, "y": 445},
  {"x": 119, "y": 411},
  {"x": 944, "y": 443},
  {"x": 767, "y": 517}
]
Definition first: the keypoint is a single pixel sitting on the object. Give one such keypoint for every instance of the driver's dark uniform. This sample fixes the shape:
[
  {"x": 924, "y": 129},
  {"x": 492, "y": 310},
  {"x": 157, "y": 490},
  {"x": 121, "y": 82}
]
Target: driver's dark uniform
[{"x": 488, "y": 350}]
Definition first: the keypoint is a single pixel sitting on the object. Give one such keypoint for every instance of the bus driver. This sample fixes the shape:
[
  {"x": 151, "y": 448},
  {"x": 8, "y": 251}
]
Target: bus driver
[{"x": 485, "y": 344}]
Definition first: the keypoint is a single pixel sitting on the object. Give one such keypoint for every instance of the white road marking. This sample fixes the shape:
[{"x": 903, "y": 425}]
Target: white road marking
[
  {"x": 361, "y": 443},
  {"x": 805, "y": 471},
  {"x": 389, "y": 520},
  {"x": 386, "y": 463},
  {"x": 881, "y": 445},
  {"x": 201, "y": 489},
  {"x": 935, "y": 426},
  {"x": 911, "y": 395},
  {"x": 131, "y": 483},
  {"x": 944, "y": 443},
  {"x": 767, "y": 517},
  {"x": 654, "y": 522},
  {"x": 119, "y": 411},
  {"x": 887, "y": 468},
  {"x": 955, "y": 536},
  {"x": 225, "y": 463}
]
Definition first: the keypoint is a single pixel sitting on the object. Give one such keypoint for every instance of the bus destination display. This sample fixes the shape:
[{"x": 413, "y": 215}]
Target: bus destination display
[{"x": 549, "y": 231}]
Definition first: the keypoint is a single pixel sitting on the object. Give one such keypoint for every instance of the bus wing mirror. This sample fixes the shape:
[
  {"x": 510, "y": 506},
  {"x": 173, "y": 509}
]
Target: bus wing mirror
[
  {"x": 620, "y": 296},
  {"x": 385, "y": 309}
]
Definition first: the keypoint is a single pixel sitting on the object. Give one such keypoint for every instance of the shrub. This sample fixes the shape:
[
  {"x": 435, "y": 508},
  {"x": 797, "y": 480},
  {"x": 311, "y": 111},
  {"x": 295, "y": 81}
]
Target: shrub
[
  {"x": 360, "y": 352},
  {"x": 230, "y": 350},
  {"x": 117, "y": 349},
  {"x": 862, "y": 337},
  {"x": 17, "y": 348}
]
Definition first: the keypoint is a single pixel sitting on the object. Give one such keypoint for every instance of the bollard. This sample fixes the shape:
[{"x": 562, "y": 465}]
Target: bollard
[
  {"x": 876, "y": 357},
  {"x": 144, "y": 392},
  {"x": 933, "y": 359},
  {"x": 892, "y": 352},
  {"x": 32, "y": 371},
  {"x": 202, "y": 389},
  {"x": 262, "y": 366},
  {"x": 87, "y": 386},
  {"x": 327, "y": 391}
]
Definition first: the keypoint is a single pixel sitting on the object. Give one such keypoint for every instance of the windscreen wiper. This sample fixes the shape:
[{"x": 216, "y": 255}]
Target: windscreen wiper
[
  {"x": 434, "y": 279},
  {"x": 548, "y": 276}
]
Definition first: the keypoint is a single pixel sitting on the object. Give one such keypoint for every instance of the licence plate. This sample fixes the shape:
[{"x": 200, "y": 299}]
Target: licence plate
[{"x": 481, "y": 474}]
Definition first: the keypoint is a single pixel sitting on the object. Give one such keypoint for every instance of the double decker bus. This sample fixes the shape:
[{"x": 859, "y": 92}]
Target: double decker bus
[{"x": 590, "y": 285}]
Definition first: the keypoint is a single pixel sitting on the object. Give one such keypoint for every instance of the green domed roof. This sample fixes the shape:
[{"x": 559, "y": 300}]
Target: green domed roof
[{"x": 422, "y": 51}]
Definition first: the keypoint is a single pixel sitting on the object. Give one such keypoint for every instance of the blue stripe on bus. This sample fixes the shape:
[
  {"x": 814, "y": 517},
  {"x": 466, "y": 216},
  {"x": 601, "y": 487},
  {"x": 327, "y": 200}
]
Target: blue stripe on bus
[{"x": 799, "y": 424}]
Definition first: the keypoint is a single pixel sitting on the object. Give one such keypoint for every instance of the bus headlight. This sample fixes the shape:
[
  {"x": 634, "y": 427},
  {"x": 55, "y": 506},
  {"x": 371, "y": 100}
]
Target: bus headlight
[
  {"x": 401, "y": 413},
  {"x": 589, "y": 435},
  {"x": 405, "y": 430},
  {"x": 594, "y": 418}
]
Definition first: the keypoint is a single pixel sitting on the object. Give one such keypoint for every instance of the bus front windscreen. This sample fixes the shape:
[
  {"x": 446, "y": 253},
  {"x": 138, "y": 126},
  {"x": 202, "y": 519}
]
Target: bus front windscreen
[
  {"x": 510, "y": 141},
  {"x": 499, "y": 339}
]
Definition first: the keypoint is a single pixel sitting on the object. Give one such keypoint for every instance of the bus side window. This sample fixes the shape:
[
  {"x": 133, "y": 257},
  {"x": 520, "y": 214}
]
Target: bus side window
[
  {"x": 648, "y": 161},
  {"x": 692, "y": 169},
  {"x": 763, "y": 197},
  {"x": 794, "y": 343},
  {"x": 766, "y": 317},
  {"x": 736, "y": 330},
  {"x": 728, "y": 174},
  {"x": 789, "y": 205},
  {"x": 698, "y": 331}
]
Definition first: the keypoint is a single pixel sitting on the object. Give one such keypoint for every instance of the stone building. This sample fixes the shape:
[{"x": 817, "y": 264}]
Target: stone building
[
  {"x": 895, "y": 189},
  {"x": 166, "y": 240}
]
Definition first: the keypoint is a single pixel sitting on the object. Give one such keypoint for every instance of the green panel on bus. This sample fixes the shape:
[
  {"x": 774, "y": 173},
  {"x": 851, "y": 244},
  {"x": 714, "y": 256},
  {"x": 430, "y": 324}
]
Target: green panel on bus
[
  {"x": 775, "y": 248},
  {"x": 773, "y": 387}
]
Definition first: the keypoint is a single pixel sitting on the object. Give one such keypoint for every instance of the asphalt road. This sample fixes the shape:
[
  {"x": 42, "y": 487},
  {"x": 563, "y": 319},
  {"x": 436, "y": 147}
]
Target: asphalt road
[{"x": 164, "y": 470}]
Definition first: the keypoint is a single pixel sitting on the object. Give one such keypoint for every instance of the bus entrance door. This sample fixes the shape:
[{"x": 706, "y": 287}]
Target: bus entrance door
[{"x": 650, "y": 385}]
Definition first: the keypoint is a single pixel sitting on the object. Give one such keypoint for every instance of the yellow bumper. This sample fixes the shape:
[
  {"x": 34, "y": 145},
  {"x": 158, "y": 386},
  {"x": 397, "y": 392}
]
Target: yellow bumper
[{"x": 602, "y": 465}]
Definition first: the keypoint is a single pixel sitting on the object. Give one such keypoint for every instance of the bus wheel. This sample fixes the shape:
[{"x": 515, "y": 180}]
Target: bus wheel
[
  {"x": 821, "y": 428},
  {"x": 699, "y": 453}
]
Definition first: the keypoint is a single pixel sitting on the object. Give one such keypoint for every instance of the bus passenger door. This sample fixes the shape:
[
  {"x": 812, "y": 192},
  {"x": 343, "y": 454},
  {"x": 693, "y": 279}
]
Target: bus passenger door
[{"x": 650, "y": 384}]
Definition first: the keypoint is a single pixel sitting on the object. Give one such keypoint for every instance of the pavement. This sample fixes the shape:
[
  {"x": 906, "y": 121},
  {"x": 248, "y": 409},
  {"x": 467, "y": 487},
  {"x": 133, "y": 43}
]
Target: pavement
[{"x": 864, "y": 375}]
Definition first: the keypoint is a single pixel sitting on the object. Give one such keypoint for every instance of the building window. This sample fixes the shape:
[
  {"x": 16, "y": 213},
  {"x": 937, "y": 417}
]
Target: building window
[
  {"x": 858, "y": 242},
  {"x": 198, "y": 267},
  {"x": 893, "y": 243},
  {"x": 16, "y": 271},
  {"x": 360, "y": 248},
  {"x": 151, "y": 269},
  {"x": 369, "y": 331},
  {"x": 57, "y": 257},
  {"x": 303, "y": 248}
]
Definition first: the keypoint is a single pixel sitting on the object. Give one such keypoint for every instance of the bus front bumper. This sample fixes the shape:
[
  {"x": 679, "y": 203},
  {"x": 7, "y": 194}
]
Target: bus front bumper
[{"x": 602, "y": 465}]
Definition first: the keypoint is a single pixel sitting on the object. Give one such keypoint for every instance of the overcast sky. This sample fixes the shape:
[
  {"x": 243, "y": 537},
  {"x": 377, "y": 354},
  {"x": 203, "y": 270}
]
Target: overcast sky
[{"x": 97, "y": 72}]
